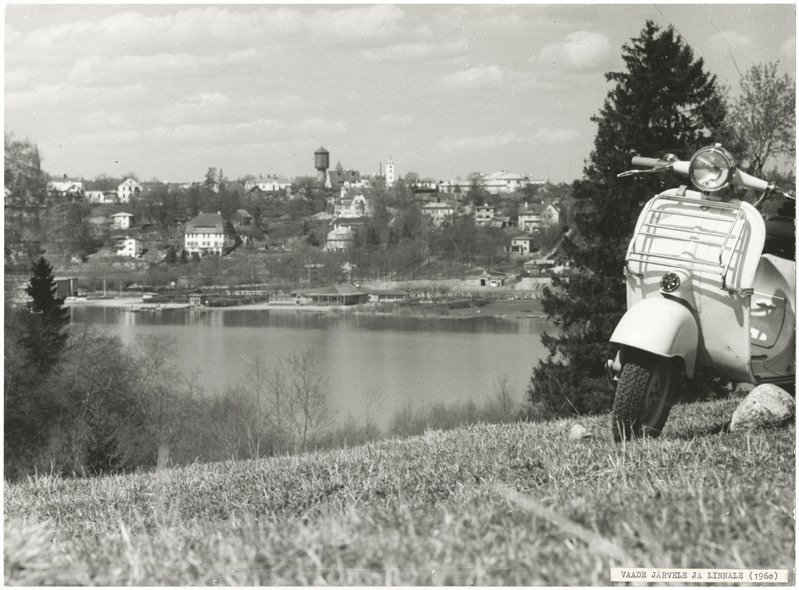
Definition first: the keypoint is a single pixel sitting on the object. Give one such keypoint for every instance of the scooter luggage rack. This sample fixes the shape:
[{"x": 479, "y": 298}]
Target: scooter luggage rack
[{"x": 655, "y": 226}]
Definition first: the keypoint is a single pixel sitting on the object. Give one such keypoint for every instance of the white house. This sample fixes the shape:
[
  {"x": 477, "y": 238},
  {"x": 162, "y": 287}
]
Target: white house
[
  {"x": 439, "y": 212},
  {"x": 122, "y": 220},
  {"x": 95, "y": 196},
  {"x": 270, "y": 185},
  {"x": 483, "y": 214},
  {"x": 552, "y": 214},
  {"x": 205, "y": 234},
  {"x": 351, "y": 184},
  {"x": 68, "y": 188},
  {"x": 523, "y": 245},
  {"x": 127, "y": 189},
  {"x": 538, "y": 216},
  {"x": 355, "y": 206},
  {"x": 507, "y": 182},
  {"x": 131, "y": 247},
  {"x": 339, "y": 239}
]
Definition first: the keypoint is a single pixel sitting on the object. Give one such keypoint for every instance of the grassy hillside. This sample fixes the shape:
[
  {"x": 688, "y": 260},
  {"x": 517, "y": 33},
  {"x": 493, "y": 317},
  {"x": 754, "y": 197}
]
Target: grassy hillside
[{"x": 510, "y": 504}]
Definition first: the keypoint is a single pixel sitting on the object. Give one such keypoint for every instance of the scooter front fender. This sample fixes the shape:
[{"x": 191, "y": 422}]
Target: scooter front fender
[{"x": 661, "y": 326}]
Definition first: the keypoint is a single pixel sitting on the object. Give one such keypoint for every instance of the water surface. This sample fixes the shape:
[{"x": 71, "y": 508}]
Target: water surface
[{"x": 375, "y": 365}]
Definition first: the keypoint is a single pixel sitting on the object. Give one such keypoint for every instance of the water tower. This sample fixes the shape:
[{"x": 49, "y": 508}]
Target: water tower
[{"x": 321, "y": 163}]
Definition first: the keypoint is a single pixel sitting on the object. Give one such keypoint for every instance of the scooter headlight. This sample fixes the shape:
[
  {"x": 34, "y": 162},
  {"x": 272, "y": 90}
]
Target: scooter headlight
[
  {"x": 711, "y": 168},
  {"x": 670, "y": 282}
]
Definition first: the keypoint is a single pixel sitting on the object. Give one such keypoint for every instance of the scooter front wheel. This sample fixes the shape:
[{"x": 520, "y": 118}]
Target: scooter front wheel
[{"x": 644, "y": 396}]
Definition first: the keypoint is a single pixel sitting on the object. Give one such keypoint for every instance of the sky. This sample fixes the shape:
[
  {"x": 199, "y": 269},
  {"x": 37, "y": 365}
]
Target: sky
[{"x": 167, "y": 91}]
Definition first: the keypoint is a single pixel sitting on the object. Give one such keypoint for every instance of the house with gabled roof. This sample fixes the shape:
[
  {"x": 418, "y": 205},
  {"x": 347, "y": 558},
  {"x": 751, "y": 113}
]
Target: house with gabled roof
[
  {"x": 354, "y": 206},
  {"x": 127, "y": 189},
  {"x": 537, "y": 216},
  {"x": 129, "y": 247},
  {"x": 65, "y": 188},
  {"x": 241, "y": 218},
  {"x": 207, "y": 234},
  {"x": 441, "y": 212}
]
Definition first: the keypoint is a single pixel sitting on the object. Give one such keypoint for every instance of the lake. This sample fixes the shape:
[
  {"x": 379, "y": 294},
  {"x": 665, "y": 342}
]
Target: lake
[{"x": 376, "y": 366}]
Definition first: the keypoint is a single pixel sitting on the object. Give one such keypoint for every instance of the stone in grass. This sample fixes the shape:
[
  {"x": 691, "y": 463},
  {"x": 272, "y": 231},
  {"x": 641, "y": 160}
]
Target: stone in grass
[
  {"x": 766, "y": 405},
  {"x": 577, "y": 432}
]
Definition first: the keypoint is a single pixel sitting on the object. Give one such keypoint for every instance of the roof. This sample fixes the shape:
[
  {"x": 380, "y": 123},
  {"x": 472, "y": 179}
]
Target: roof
[
  {"x": 438, "y": 206},
  {"x": 504, "y": 175},
  {"x": 527, "y": 238},
  {"x": 335, "y": 289},
  {"x": 533, "y": 209},
  {"x": 387, "y": 292},
  {"x": 340, "y": 232},
  {"x": 337, "y": 177},
  {"x": 122, "y": 214},
  {"x": 321, "y": 150},
  {"x": 207, "y": 223},
  {"x": 243, "y": 213}
]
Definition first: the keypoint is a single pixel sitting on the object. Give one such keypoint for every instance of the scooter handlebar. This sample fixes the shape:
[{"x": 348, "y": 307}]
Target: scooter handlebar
[{"x": 643, "y": 162}]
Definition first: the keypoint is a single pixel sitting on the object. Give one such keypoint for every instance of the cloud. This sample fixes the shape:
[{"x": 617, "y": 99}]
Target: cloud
[
  {"x": 416, "y": 50},
  {"x": 201, "y": 30},
  {"x": 788, "y": 50},
  {"x": 54, "y": 94},
  {"x": 200, "y": 106},
  {"x": 580, "y": 51},
  {"x": 93, "y": 69},
  {"x": 547, "y": 136},
  {"x": 481, "y": 142},
  {"x": 395, "y": 120},
  {"x": 17, "y": 78},
  {"x": 209, "y": 99},
  {"x": 725, "y": 41},
  {"x": 476, "y": 77},
  {"x": 362, "y": 22},
  {"x": 186, "y": 134},
  {"x": 318, "y": 126}
]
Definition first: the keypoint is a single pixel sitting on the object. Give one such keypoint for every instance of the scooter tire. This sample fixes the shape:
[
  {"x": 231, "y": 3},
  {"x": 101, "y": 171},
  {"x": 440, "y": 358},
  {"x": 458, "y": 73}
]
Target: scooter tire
[{"x": 644, "y": 396}]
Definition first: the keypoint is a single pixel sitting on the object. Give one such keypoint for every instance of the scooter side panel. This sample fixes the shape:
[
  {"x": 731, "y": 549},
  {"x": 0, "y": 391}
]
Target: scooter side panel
[{"x": 661, "y": 326}]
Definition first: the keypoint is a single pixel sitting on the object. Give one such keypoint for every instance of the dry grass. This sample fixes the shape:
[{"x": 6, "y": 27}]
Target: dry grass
[{"x": 502, "y": 504}]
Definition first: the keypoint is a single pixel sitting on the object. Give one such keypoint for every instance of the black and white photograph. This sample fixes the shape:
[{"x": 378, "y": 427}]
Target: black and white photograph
[{"x": 373, "y": 294}]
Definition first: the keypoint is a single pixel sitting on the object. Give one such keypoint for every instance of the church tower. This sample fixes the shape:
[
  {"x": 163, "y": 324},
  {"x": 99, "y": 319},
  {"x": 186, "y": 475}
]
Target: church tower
[{"x": 391, "y": 173}]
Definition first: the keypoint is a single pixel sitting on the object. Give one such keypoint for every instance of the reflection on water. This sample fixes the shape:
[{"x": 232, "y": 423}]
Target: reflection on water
[{"x": 376, "y": 365}]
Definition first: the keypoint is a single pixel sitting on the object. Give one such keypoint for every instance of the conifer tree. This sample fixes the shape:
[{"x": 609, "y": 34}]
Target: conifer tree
[
  {"x": 663, "y": 102},
  {"x": 45, "y": 335}
]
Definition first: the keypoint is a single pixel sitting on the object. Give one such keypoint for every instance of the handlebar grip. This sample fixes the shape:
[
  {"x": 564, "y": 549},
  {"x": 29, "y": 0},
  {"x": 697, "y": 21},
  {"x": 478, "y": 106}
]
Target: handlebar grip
[
  {"x": 748, "y": 181},
  {"x": 644, "y": 162}
]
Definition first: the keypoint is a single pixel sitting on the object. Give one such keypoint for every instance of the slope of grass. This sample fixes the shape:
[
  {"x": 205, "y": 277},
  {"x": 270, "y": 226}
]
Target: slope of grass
[{"x": 501, "y": 504}]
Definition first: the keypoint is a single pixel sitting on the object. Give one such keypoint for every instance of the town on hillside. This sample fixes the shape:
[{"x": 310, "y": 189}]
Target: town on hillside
[{"x": 336, "y": 236}]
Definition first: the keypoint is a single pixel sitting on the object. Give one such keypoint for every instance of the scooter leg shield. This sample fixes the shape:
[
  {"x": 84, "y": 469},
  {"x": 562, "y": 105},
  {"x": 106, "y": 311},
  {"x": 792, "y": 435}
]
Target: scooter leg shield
[{"x": 661, "y": 326}]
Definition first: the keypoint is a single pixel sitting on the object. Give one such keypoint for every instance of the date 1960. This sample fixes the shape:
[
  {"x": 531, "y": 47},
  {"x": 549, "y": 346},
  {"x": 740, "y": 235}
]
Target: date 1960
[{"x": 697, "y": 576}]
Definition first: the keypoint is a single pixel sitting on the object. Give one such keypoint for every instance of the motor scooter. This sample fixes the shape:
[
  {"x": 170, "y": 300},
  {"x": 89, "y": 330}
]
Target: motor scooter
[{"x": 710, "y": 286}]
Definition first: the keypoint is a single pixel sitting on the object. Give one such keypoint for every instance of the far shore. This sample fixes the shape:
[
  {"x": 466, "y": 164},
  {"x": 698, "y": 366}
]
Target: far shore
[{"x": 503, "y": 308}]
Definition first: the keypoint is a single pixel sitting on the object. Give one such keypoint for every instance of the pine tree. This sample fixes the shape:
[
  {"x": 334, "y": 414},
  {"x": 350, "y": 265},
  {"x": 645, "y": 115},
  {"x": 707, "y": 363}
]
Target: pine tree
[
  {"x": 664, "y": 102},
  {"x": 45, "y": 335}
]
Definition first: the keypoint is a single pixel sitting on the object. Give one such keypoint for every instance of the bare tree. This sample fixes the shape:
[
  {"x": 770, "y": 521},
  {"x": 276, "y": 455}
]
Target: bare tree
[
  {"x": 256, "y": 387},
  {"x": 299, "y": 400},
  {"x": 504, "y": 406},
  {"x": 164, "y": 397},
  {"x": 764, "y": 115}
]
